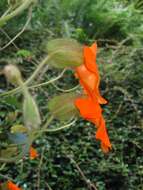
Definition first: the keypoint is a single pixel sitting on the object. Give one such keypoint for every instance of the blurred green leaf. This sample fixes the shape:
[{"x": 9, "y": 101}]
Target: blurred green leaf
[
  {"x": 24, "y": 53},
  {"x": 8, "y": 152}
]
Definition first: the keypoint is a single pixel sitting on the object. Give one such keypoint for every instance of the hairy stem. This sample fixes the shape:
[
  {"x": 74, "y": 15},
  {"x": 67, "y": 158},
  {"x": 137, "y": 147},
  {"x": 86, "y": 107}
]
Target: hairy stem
[{"x": 17, "y": 11}]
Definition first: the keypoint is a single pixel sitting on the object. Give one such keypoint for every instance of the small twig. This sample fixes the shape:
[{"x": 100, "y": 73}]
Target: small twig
[
  {"x": 8, "y": 38},
  {"x": 48, "y": 186},
  {"x": 126, "y": 93},
  {"x": 7, "y": 11},
  {"x": 65, "y": 90},
  {"x": 118, "y": 47},
  {"x": 42, "y": 73},
  {"x": 2, "y": 167},
  {"x": 60, "y": 128},
  {"x": 6, "y": 177},
  {"x": 48, "y": 82},
  {"x": 87, "y": 181},
  {"x": 117, "y": 112},
  {"x": 17, "y": 35},
  {"x": 25, "y": 4},
  {"x": 39, "y": 168}
]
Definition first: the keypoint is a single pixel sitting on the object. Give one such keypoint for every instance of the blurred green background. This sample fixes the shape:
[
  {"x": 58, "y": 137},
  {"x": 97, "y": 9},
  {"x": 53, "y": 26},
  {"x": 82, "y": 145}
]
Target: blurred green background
[{"x": 117, "y": 26}]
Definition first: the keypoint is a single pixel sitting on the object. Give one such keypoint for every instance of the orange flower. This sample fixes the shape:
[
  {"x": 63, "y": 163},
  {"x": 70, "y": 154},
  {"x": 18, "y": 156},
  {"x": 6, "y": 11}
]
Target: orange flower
[
  {"x": 89, "y": 106},
  {"x": 92, "y": 112},
  {"x": 88, "y": 74},
  {"x": 33, "y": 153},
  {"x": 12, "y": 186}
]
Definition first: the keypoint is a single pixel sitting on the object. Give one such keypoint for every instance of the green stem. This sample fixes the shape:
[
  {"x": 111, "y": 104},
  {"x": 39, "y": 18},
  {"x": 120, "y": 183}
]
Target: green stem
[
  {"x": 20, "y": 9},
  {"x": 39, "y": 133},
  {"x": 65, "y": 90},
  {"x": 48, "y": 82},
  {"x": 2, "y": 167},
  {"x": 60, "y": 128},
  {"x": 36, "y": 72}
]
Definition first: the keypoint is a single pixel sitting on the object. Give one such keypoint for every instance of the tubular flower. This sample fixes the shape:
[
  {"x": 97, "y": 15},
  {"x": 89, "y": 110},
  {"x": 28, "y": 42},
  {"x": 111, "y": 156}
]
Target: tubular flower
[
  {"x": 12, "y": 186},
  {"x": 89, "y": 106},
  {"x": 33, "y": 153},
  {"x": 88, "y": 74}
]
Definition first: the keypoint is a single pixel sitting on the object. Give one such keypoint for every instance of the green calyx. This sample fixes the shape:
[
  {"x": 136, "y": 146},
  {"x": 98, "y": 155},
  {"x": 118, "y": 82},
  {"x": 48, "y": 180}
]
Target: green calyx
[
  {"x": 62, "y": 107},
  {"x": 65, "y": 53}
]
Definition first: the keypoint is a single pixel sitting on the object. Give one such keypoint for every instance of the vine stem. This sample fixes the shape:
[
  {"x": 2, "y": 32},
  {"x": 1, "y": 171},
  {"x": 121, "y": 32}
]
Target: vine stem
[
  {"x": 18, "y": 34},
  {"x": 35, "y": 73},
  {"x": 65, "y": 90},
  {"x": 48, "y": 82},
  {"x": 20, "y": 9},
  {"x": 60, "y": 128},
  {"x": 44, "y": 128},
  {"x": 6, "y": 12}
]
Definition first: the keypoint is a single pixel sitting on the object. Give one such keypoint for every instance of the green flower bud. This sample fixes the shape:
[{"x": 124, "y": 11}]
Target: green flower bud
[
  {"x": 62, "y": 107},
  {"x": 31, "y": 113},
  {"x": 66, "y": 53},
  {"x": 13, "y": 74}
]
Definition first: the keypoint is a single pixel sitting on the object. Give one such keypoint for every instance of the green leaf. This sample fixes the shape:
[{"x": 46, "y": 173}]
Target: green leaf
[
  {"x": 8, "y": 152},
  {"x": 24, "y": 53},
  {"x": 13, "y": 101}
]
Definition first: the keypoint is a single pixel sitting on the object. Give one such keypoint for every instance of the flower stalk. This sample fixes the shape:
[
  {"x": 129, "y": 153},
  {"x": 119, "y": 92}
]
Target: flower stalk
[{"x": 17, "y": 11}]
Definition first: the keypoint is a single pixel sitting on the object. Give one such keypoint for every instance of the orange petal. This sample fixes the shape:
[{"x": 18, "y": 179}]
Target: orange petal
[
  {"x": 93, "y": 112},
  {"x": 102, "y": 135},
  {"x": 90, "y": 58},
  {"x": 101, "y": 100},
  {"x": 88, "y": 109},
  {"x": 12, "y": 186},
  {"x": 33, "y": 153},
  {"x": 88, "y": 78},
  {"x": 104, "y": 148},
  {"x": 89, "y": 82},
  {"x": 93, "y": 47},
  {"x": 90, "y": 64}
]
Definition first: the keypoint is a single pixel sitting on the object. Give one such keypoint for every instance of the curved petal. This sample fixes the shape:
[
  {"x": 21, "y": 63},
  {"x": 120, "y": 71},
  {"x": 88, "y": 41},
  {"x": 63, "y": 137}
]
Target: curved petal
[
  {"x": 104, "y": 148},
  {"x": 87, "y": 77},
  {"x": 12, "y": 186},
  {"x": 88, "y": 109},
  {"x": 102, "y": 135},
  {"x": 89, "y": 82},
  {"x": 93, "y": 47},
  {"x": 90, "y": 58}
]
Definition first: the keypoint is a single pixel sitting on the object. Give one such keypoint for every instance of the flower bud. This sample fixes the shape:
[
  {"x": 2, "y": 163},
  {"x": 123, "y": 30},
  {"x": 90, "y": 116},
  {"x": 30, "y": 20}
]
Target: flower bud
[
  {"x": 62, "y": 107},
  {"x": 31, "y": 113},
  {"x": 66, "y": 53},
  {"x": 13, "y": 74}
]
